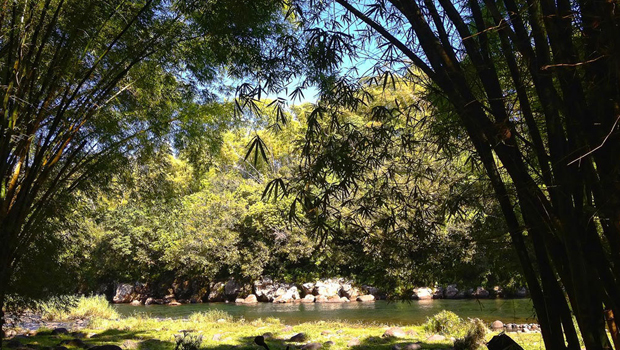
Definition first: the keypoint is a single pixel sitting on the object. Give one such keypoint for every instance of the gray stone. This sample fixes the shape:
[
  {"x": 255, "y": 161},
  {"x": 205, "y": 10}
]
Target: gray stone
[
  {"x": 312, "y": 346},
  {"x": 232, "y": 289},
  {"x": 422, "y": 293},
  {"x": 60, "y": 330},
  {"x": 366, "y": 298},
  {"x": 298, "y": 338},
  {"x": 349, "y": 291},
  {"x": 451, "y": 292},
  {"x": 481, "y": 293},
  {"x": 123, "y": 293},
  {"x": 353, "y": 342},
  {"x": 309, "y": 298},
  {"x": 436, "y": 337},
  {"x": 395, "y": 332},
  {"x": 251, "y": 299},
  {"x": 320, "y": 299},
  {"x": 521, "y": 292},
  {"x": 130, "y": 344}
]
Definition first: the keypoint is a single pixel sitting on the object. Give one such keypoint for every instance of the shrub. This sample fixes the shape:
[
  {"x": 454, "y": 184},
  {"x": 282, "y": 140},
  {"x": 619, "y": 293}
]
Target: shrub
[
  {"x": 187, "y": 341},
  {"x": 71, "y": 308},
  {"x": 446, "y": 323},
  {"x": 475, "y": 336}
]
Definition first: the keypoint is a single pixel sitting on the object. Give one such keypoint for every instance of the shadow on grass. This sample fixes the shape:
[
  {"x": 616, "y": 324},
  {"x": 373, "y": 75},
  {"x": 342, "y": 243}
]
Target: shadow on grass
[
  {"x": 389, "y": 343},
  {"x": 142, "y": 340}
]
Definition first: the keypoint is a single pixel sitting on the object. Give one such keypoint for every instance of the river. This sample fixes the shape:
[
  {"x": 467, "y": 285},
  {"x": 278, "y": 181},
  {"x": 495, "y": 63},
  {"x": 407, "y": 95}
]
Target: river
[{"x": 382, "y": 312}]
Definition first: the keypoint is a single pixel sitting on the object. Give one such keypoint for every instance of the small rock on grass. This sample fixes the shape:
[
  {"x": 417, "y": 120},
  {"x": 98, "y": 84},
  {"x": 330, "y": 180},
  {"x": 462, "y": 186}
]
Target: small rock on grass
[
  {"x": 60, "y": 330},
  {"x": 329, "y": 343},
  {"x": 268, "y": 335},
  {"x": 216, "y": 337},
  {"x": 312, "y": 346},
  {"x": 130, "y": 344},
  {"x": 395, "y": 332},
  {"x": 354, "y": 342},
  {"x": 287, "y": 329},
  {"x": 298, "y": 338},
  {"x": 326, "y": 332},
  {"x": 436, "y": 337}
]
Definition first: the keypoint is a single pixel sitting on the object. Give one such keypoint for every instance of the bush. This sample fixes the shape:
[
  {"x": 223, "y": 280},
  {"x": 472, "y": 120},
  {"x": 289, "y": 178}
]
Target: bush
[
  {"x": 187, "y": 341},
  {"x": 71, "y": 308},
  {"x": 475, "y": 336},
  {"x": 210, "y": 316},
  {"x": 446, "y": 323}
]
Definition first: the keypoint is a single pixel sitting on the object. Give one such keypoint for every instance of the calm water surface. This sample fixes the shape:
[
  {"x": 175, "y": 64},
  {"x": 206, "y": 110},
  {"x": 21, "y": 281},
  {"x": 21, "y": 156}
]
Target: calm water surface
[{"x": 414, "y": 312}]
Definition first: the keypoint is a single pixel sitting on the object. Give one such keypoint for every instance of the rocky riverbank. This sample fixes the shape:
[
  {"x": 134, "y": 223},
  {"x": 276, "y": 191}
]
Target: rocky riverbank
[{"x": 334, "y": 290}]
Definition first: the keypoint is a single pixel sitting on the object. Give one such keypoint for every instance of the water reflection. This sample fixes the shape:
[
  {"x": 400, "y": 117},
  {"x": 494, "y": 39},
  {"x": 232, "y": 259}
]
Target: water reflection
[{"x": 379, "y": 312}]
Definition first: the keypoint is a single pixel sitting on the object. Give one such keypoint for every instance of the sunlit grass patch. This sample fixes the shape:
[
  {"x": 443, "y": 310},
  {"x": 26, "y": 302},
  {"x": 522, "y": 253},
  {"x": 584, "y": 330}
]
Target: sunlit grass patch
[{"x": 71, "y": 308}]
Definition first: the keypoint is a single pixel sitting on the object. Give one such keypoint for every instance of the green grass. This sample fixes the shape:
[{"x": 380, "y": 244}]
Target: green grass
[
  {"x": 141, "y": 332},
  {"x": 72, "y": 308}
]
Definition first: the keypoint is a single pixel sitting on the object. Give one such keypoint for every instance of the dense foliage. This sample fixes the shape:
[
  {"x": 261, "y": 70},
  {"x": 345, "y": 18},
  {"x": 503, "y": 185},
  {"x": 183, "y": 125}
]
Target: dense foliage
[{"x": 162, "y": 221}]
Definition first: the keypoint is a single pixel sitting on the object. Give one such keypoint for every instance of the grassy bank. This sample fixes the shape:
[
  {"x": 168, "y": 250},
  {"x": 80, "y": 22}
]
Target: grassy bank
[{"x": 220, "y": 331}]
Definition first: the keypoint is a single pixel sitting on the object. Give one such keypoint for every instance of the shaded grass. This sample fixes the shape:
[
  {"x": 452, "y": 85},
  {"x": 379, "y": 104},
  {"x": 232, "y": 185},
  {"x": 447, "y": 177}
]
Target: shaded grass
[{"x": 221, "y": 332}]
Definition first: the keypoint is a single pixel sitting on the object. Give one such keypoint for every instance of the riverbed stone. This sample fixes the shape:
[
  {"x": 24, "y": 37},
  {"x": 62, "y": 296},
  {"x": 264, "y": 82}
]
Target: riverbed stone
[
  {"x": 123, "y": 293},
  {"x": 307, "y": 288},
  {"x": 251, "y": 299},
  {"x": 497, "y": 325},
  {"x": 349, "y": 291},
  {"x": 521, "y": 292},
  {"x": 328, "y": 288},
  {"x": 422, "y": 293},
  {"x": 309, "y": 298},
  {"x": 481, "y": 293},
  {"x": 232, "y": 289},
  {"x": 451, "y": 292},
  {"x": 216, "y": 292},
  {"x": 334, "y": 299},
  {"x": 320, "y": 299},
  {"x": 366, "y": 298}
]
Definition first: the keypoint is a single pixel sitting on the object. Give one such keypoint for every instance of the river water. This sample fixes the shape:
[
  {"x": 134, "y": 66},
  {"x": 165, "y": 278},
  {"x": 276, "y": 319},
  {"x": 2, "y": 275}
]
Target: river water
[{"x": 382, "y": 312}]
